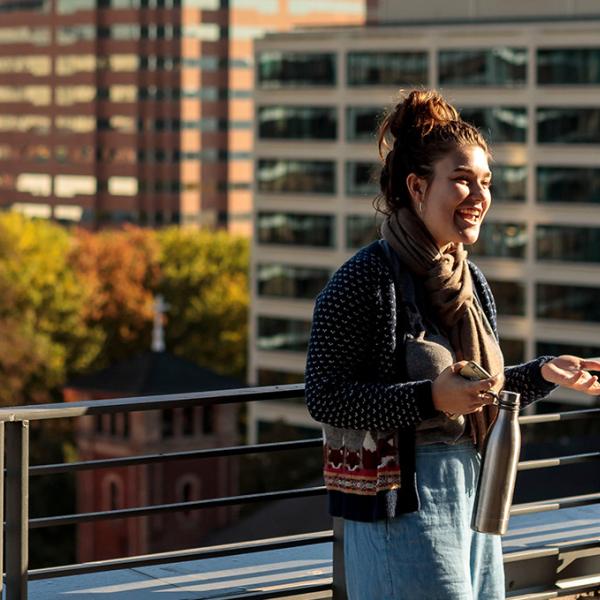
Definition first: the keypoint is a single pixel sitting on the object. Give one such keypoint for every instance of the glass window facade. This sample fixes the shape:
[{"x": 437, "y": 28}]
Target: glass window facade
[
  {"x": 274, "y": 333},
  {"x": 568, "y": 302},
  {"x": 32, "y": 65},
  {"x": 499, "y": 124},
  {"x": 294, "y": 69},
  {"x": 491, "y": 66},
  {"x": 568, "y": 125},
  {"x": 558, "y": 348},
  {"x": 504, "y": 240},
  {"x": 509, "y": 296},
  {"x": 568, "y": 66},
  {"x": 568, "y": 184},
  {"x": 40, "y": 36},
  {"x": 71, "y": 34},
  {"x": 297, "y": 122},
  {"x": 290, "y": 281},
  {"x": 387, "y": 68},
  {"x": 296, "y": 176},
  {"x": 294, "y": 229},
  {"x": 571, "y": 244},
  {"x": 509, "y": 183},
  {"x": 36, "y": 95},
  {"x": 361, "y": 230},
  {"x": 362, "y": 178},
  {"x": 362, "y": 122}
]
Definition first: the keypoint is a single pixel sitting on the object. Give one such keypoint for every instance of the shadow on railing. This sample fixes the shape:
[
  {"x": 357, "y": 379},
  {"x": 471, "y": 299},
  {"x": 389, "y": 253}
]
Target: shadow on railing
[{"x": 533, "y": 570}]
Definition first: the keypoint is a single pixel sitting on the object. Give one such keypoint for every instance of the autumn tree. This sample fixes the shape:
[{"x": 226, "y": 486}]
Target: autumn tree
[
  {"x": 43, "y": 334},
  {"x": 120, "y": 271},
  {"x": 204, "y": 279}
]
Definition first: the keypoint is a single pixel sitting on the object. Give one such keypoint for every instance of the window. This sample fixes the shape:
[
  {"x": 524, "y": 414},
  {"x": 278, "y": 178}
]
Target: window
[
  {"x": 76, "y": 63},
  {"x": 33, "y": 65},
  {"x": 509, "y": 296},
  {"x": 70, "y": 6},
  {"x": 291, "y": 69},
  {"x": 387, "y": 68},
  {"x": 568, "y": 66},
  {"x": 498, "y": 124},
  {"x": 557, "y": 348},
  {"x": 362, "y": 122},
  {"x": 362, "y": 178},
  {"x": 568, "y": 184},
  {"x": 68, "y": 186},
  {"x": 493, "y": 66},
  {"x": 297, "y": 122},
  {"x": 288, "y": 281},
  {"x": 74, "y": 94},
  {"x": 208, "y": 419},
  {"x": 37, "y": 95},
  {"x": 71, "y": 34},
  {"x": 568, "y": 302},
  {"x": 38, "y": 124},
  {"x": 296, "y": 176},
  {"x": 167, "y": 423},
  {"x": 278, "y": 334},
  {"x": 188, "y": 417},
  {"x": 75, "y": 124},
  {"x": 571, "y": 244},
  {"x": 509, "y": 183},
  {"x": 568, "y": 125},
  {"x": 39, "y": 36},
  {"x": 296, "y": 229},
  {"x": 361, "y": 230},
  {"x": 506, "y": 240}
]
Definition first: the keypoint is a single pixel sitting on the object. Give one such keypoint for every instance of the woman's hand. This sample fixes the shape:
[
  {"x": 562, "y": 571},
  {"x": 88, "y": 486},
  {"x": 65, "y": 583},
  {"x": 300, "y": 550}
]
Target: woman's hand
[
  {"x": 453, "y": 394},
  {"x": 573, "y": 372}
]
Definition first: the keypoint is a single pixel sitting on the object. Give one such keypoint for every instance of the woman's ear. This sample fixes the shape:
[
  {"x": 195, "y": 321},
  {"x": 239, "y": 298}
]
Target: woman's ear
[{"x": 416, "y": 188}]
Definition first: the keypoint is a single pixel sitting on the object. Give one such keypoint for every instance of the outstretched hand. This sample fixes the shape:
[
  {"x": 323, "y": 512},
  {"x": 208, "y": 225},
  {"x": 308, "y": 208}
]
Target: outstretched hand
[{"x": 573, "y": 372}]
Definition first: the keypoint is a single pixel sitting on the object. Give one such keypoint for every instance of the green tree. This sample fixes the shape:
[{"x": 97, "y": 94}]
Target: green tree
[
  {"x": 204, "y": 279},
  {"x": 43, "y": 334}
]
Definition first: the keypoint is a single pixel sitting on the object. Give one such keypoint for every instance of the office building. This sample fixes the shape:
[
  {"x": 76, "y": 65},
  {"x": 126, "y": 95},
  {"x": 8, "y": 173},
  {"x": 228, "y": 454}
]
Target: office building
[
  {"x": 531, "y": 84},
  {"x": 136, "y": 110}
]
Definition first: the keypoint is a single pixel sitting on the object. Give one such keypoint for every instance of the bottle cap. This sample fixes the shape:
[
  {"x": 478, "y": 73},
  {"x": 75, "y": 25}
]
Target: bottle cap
[{"x": 509, "y": 399}]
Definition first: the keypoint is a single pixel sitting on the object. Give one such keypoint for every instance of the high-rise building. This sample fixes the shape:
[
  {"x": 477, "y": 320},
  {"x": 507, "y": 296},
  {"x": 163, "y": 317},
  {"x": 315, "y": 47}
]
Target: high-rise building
[
  {"x": 136, "y": 110},
  {"x": 531, "y": 84}
]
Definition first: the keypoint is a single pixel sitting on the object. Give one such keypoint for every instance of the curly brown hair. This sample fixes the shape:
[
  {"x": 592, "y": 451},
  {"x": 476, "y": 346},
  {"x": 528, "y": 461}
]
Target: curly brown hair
[{"x": 413, "y": 135}]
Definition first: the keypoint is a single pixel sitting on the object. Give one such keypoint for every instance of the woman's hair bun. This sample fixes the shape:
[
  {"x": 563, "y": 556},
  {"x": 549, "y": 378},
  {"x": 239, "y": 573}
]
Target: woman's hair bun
[{"x": 419, "y": 113}]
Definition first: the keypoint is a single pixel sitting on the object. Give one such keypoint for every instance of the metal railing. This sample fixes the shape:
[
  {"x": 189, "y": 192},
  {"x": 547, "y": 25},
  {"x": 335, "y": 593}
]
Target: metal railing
[{"x": 14, "y": 441}]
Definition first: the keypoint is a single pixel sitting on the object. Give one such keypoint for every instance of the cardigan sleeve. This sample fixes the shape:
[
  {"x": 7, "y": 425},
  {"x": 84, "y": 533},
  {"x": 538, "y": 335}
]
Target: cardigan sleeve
[
  {"x": 527, "y": 380},
  {"x": 343, "y": 344}
]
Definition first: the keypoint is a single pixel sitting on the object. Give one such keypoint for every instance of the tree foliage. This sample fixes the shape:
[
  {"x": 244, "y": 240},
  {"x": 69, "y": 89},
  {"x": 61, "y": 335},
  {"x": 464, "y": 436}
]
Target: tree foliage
[
  {"x": 204, "y": 279},
  {"x": 76, "y": 301}
]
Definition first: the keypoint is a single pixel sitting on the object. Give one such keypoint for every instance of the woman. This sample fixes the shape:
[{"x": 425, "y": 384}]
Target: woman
[{"x": 391, "y": 331}]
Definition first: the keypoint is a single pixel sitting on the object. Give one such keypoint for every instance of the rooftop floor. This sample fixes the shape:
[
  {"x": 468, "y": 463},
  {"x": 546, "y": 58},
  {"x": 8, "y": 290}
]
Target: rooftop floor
[{"x": 241, "y": 576}]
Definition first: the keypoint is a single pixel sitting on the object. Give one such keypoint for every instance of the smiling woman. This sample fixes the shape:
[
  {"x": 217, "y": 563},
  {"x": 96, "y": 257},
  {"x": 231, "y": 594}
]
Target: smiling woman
[{"x": 390, "y": 333}]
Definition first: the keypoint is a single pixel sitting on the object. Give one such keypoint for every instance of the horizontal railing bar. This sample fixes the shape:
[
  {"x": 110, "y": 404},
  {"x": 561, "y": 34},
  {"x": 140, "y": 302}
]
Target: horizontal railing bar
[
  {"x": 141, "y": 511},
  {"x": 62, "y": 410},
  {"x": 593, "y": 413},
  {"x": 278, "y": 543},
  {"x": 53, "y": 469},
  {"x": 554, "y": 504},
  {"x": 559, "y": 461}
]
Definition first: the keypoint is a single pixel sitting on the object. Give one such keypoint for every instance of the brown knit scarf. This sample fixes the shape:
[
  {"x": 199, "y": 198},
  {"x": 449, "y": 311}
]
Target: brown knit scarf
[{"x": 447, "y": 280}]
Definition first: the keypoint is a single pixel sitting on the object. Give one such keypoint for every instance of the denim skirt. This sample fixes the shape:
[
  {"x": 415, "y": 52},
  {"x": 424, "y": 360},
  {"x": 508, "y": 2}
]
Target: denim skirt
[{"x": 431, "y": 554}]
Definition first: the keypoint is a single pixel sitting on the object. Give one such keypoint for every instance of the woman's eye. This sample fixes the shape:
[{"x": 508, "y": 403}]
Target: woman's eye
[{"x": 486, "y": 184}]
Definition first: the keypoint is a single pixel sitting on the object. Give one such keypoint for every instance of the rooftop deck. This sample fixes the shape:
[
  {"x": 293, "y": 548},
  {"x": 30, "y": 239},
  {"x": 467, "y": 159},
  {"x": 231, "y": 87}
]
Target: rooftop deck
[{"x": 552, "y": 548}]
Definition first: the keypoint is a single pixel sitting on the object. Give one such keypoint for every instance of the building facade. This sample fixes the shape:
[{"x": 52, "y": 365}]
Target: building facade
[
  {"x": 532, "y": 86},
  {"x": 136, "y": 110}
]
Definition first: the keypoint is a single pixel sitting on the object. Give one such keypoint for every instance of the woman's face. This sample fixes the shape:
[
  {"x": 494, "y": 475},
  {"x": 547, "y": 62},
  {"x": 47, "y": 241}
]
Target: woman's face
[{"x": 453, "y": 204}]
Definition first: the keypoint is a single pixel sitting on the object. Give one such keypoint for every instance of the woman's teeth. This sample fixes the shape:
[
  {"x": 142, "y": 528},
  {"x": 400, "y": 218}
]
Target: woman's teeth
[{"x": 470, "y": 215}]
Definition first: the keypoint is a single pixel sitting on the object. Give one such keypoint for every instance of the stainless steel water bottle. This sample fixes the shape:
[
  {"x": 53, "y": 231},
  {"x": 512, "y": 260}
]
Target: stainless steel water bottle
[{"x": 498, "y": 472}]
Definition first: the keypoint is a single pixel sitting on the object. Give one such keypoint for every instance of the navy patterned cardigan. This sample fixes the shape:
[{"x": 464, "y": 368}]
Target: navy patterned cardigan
[{"x": 356, "y": 386}]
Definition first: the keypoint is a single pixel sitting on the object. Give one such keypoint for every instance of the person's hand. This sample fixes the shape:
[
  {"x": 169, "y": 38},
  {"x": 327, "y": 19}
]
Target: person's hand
[
  {"x": 573, "y": 372},
  {"x": 453, "y": 394}
]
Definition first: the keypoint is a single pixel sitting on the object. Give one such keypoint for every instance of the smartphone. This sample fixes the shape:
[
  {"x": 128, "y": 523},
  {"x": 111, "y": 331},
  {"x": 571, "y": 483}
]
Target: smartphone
[{"x": 474, "y": 372}]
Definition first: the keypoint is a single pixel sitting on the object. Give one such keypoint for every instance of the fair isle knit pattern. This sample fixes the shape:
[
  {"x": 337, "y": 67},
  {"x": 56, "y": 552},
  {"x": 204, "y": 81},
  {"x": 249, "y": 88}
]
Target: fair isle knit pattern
[{"x": 356, "y": 386}]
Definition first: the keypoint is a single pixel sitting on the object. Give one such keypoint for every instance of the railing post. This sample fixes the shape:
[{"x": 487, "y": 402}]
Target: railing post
[
  {"x": 17, "y": 509},
  {"x": 339, "y": 575}
]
